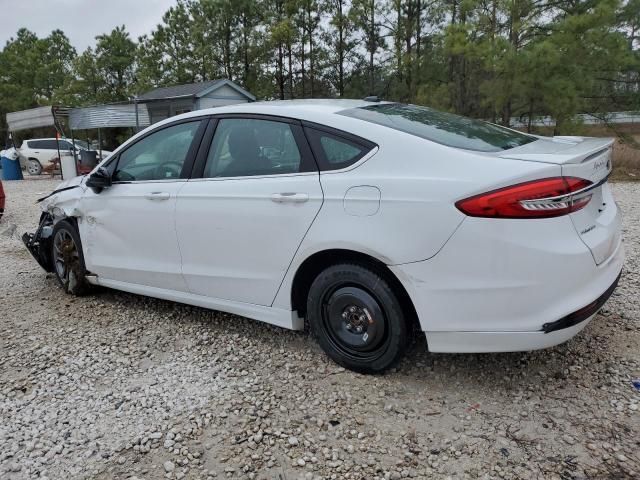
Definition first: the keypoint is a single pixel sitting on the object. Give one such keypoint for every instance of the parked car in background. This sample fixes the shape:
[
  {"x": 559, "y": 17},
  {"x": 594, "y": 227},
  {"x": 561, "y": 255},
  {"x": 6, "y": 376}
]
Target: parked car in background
[
  {"x": 38, "y": 153},
  {"x": 369, "y": 219}
]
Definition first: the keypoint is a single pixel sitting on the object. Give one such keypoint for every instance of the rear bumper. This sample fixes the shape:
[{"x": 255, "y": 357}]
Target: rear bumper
[
  {"x": 582, "y": 314},
  {"x": 552, "y": 334},
  {"x": 502, "y": 286},
  {"x": 485, "y": 342}
]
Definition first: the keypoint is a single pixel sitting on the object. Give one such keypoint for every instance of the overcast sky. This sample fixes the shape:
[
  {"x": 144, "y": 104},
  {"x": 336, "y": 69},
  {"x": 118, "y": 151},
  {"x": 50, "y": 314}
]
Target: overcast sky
[{"x": 80, "y": 20}]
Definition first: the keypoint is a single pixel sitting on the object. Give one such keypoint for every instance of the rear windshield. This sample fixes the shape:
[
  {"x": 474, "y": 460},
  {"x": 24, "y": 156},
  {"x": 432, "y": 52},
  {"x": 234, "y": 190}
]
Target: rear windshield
[{"x": 441, "y": 127}]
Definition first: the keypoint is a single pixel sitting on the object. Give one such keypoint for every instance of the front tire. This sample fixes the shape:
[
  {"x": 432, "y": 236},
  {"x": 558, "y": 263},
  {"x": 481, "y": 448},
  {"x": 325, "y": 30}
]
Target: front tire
[
  {"x": 357, "y": 318},
  {"x": 67, "y": 258}
]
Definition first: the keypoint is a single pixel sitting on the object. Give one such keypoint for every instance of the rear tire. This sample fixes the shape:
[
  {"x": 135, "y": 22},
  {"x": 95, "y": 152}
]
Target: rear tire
[
  {"x": 357, "y": 318},
  {"x": 67, "y": 258},
  {"x": 34, "y": 167}
]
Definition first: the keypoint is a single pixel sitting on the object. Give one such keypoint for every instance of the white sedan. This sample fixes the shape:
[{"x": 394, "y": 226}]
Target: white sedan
[{"x": 371, "y": 220}]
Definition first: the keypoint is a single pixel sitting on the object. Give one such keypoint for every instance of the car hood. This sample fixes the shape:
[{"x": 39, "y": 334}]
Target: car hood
[{"x": 72, "y": 182}]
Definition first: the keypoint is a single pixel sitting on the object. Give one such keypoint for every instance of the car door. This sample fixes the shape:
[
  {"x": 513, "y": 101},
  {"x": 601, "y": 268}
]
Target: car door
[
  {"x": 240, "y": 225},
  {"x": 39, "y": 149},
  {"x": 49, "y": 150},
  {"x": 128, "y": 229}
]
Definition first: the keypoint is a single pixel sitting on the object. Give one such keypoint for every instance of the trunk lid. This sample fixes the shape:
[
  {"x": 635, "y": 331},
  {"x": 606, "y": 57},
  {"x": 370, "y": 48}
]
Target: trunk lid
[{"x": 597, "y": 224}]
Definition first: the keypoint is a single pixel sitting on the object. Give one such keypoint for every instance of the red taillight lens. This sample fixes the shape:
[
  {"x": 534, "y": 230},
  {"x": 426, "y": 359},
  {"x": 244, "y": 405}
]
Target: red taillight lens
[{"x": 544, "y": 198}]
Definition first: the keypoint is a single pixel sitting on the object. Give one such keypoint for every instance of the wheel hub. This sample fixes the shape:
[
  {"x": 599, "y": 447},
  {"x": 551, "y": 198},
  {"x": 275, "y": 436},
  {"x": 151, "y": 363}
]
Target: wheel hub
[{"x": 354, "y": 319}]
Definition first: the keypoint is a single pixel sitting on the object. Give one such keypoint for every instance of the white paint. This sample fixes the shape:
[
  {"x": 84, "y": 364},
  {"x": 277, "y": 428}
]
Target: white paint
[
  {"x": 477, "y": 284},
  {"x": 236, "y": 241},
  {"x": 362, "y": 201}
]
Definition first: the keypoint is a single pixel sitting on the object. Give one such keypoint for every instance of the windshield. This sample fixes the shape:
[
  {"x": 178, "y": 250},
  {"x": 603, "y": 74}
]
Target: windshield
[
  {"x": 82, "y": 144},
  {"x": 441, "y": 127}
]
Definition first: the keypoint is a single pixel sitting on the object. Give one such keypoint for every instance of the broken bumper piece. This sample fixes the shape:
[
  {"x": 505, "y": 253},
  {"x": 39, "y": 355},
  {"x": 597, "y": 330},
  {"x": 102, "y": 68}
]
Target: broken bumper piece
[{"x": 39, "y": 243}]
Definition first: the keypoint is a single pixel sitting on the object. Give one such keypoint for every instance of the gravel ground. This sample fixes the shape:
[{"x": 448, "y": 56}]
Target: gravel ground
[{"x": 121, "y": 386}]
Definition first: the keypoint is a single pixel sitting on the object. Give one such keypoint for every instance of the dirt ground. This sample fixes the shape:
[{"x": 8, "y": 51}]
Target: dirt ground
[{"x": 120, "y": 386}]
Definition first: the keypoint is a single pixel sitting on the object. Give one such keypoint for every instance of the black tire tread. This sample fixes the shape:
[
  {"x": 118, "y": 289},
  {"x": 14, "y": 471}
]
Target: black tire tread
[{"x": 375, "y": 282}]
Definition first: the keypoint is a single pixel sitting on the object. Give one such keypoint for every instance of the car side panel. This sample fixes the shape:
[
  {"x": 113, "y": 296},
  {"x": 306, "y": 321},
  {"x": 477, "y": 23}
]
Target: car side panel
[
  {"x": 236, "y": 240},
  {"x": 418, "y": 183},
  {"x": 128, "y": 236}
]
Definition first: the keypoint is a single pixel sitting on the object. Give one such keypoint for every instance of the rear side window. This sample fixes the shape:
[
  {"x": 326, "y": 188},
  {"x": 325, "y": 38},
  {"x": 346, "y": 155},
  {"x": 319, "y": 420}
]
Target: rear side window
[
  {"x": 246, "y": 147},
  {"x": 441, "y": 127},
  {"x": 333, "y": 151}
]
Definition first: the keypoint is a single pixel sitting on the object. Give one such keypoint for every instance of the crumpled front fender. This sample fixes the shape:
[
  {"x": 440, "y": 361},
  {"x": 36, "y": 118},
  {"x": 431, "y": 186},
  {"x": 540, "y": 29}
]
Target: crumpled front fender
[{"x": 64, "y": 201}]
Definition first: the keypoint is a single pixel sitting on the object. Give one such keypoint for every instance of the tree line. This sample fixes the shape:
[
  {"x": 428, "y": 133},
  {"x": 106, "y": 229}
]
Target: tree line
[{"x": 494, "y": 59}]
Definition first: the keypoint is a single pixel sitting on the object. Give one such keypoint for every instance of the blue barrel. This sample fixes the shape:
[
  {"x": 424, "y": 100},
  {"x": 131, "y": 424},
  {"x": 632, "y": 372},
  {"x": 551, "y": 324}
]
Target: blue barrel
[{"x": 11, "y": 169}]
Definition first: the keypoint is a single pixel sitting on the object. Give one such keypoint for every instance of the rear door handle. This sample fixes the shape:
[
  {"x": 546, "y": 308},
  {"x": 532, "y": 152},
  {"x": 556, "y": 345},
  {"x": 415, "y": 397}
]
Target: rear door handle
[
  {"x": 158, "y": 196},
  {"x": 289, "y": 197}
]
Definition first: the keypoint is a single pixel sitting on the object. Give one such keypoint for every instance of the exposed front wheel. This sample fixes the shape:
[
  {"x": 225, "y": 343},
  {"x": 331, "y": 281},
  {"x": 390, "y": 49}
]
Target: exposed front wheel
[
  {"x": 357, "y": 318},
  {"x": 34, "y": 167},
  {"x": 68, "y": 261}
]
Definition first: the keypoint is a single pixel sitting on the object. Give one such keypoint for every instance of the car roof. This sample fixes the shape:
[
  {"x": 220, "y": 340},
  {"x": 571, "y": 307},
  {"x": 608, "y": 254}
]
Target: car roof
[
  {"x": 290, "y": 108},
  {"x": 322, "y": 111},
  {"x": 50, "y": 138}
]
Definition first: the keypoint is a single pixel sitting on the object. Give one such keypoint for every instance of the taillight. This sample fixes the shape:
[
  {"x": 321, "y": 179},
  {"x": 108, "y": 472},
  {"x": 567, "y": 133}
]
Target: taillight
[{"x": 544, "y": 198}]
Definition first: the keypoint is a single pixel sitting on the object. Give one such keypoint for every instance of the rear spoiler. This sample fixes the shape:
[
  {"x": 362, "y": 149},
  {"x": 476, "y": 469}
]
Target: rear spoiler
[{"x": 561, "y": 150}]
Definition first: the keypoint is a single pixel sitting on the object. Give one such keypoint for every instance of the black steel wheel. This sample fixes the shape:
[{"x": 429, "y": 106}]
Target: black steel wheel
[
  {"x": 67, "y": 258},
  {"x": 357, "y": 318}
]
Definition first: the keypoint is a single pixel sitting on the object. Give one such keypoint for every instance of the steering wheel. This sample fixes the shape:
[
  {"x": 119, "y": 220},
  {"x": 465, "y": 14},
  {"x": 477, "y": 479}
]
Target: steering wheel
[{"x": 170, "y": 169}]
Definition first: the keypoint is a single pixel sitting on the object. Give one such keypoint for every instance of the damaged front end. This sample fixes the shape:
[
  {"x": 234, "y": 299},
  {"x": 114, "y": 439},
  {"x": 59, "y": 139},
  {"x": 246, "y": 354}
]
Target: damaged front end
[
  {"x": 39, "y": 243},
  {"x": 59, "y": 204}
]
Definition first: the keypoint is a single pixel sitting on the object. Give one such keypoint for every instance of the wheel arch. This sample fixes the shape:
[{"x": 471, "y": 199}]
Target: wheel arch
[{"x": 309, "y": 269}]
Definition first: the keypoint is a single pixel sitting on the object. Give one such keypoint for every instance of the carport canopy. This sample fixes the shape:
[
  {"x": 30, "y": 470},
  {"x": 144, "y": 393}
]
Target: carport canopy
[
  {"x": 35, "y": 118},
  {"x": 109, "y": 116},
  {"x": 83, "y": 118}
]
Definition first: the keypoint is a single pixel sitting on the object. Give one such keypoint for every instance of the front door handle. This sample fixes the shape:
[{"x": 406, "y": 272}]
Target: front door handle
[
  {"x": 158, "y": 196},
  {"x": 289, "y": 197}
]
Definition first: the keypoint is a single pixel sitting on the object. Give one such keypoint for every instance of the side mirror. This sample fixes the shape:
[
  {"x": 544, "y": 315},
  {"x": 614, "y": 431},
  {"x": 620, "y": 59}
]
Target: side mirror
[{"x": 99, "y": 180}]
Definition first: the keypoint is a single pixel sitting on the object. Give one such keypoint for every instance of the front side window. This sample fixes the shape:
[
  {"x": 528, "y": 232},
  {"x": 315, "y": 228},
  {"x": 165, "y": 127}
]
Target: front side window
[
  {"x": 441, "y": 127},
  {"x": 244, "y": 147},
  {"x": 159, "y": 156}
]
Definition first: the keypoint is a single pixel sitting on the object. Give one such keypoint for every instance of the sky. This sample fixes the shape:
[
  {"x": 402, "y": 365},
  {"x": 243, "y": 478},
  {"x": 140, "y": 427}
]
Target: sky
[{"x": 80, "y": 20}]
